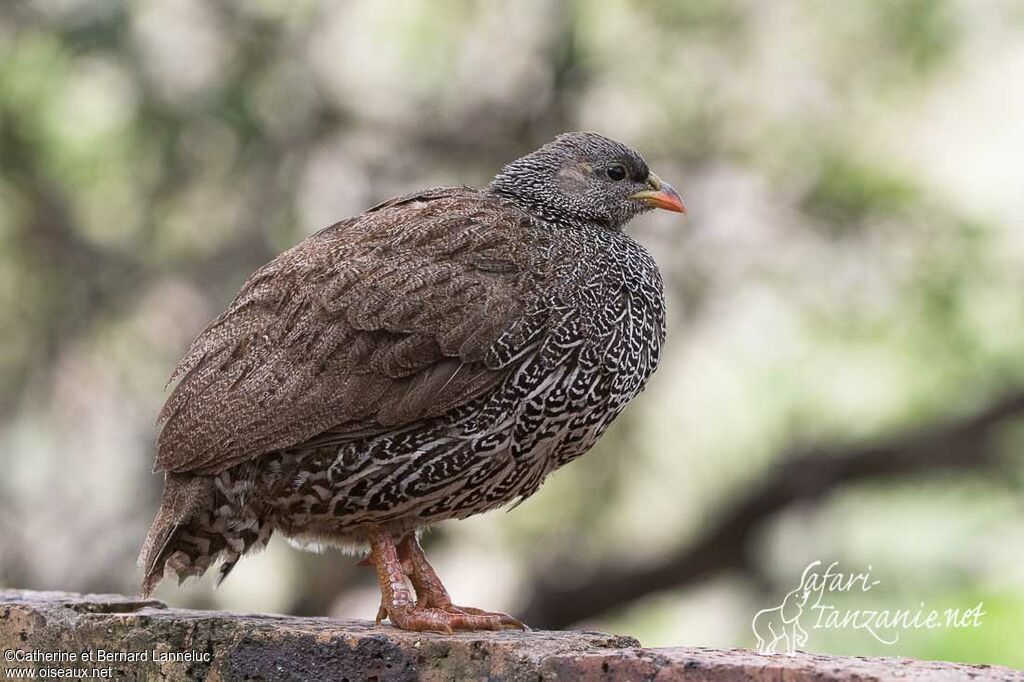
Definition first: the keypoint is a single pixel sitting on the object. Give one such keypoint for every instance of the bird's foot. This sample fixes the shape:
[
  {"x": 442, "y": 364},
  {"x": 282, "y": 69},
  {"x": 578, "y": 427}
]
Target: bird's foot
[
  {"x": 430, "y": 591},
  {"x": 433, "y": 609},
  {"x": 446, "y": 620}
]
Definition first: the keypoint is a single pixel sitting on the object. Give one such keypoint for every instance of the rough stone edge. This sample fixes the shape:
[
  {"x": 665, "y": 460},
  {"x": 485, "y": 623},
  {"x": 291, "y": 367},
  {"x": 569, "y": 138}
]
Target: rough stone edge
[
  {"x": 726, "y": 665},
  {"x": 248, "y": 646}
]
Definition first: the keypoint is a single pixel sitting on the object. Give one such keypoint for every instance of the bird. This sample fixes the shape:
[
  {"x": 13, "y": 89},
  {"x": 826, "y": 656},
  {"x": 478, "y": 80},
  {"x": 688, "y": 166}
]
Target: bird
[{"x": 435, "y": 357}]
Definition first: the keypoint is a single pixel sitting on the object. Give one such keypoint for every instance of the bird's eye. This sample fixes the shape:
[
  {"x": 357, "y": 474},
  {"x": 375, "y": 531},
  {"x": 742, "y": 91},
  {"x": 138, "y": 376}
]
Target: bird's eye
[{"x": 617, "y": 172}]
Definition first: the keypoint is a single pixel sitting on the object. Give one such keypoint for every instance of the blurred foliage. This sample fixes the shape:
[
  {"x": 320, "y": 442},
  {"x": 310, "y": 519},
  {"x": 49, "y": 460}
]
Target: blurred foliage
[
  {"x": 846, "y": 192},
  {"x": 843, "y": 273}
]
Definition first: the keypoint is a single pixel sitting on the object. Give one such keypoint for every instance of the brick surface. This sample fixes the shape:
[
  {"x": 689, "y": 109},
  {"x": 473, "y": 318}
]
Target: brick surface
[{"x": 176, "y": 644}]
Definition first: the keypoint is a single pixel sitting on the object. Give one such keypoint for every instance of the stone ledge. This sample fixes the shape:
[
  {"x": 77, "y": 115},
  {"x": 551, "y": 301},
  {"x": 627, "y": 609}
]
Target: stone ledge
[{"x": 233, "y": 646}]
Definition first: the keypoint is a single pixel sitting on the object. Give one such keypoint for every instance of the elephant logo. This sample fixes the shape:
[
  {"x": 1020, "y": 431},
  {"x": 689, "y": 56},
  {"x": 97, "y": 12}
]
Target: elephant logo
[{"x": 780, "y": 625}]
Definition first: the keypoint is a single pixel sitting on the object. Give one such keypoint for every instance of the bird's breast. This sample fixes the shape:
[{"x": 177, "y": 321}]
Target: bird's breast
[{"x": 595, "y": 339}]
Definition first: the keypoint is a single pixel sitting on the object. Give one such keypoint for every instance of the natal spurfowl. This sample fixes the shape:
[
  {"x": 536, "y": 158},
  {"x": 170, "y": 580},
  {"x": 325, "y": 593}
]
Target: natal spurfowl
[{"x": 433, "y": 358}]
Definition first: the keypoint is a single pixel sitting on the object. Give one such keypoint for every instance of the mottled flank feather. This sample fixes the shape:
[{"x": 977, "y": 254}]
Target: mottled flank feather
[
  {"x": 360, "y": 327},
  {"x": 435, "y": 357}
]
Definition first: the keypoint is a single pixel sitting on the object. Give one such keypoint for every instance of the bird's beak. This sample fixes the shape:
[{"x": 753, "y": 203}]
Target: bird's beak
[{"x": 661, "y": 195}]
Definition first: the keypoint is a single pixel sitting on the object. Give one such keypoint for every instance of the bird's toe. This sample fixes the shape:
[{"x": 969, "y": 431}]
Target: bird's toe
[
  {"x": 448, "y": 619},
  {"x": 503, "y": 620}
]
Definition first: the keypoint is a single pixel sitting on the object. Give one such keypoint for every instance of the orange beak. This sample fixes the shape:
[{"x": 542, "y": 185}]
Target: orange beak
[{"x": 661, "y": 195}]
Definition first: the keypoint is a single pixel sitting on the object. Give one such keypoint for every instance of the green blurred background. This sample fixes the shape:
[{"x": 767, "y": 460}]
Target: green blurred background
[{"x": 844, "y": 379}]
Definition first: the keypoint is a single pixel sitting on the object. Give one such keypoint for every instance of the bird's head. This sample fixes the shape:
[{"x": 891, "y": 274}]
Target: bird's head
[{"x": 586, "y": 178}]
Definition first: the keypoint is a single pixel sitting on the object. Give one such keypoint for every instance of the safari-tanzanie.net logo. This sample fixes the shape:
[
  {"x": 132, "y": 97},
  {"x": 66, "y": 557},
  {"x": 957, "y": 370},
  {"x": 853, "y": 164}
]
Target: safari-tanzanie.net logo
[{"x": 784, "y": 628}]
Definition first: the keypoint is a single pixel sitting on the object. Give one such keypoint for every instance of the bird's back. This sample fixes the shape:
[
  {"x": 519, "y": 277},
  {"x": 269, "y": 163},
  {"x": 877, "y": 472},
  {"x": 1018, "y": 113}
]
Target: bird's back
[{"x": 357, "y": 329}]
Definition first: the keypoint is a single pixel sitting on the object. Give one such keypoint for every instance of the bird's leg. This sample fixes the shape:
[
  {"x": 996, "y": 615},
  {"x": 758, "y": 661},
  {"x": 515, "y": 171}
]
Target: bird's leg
[
  {"x": 396, "y": 601},
  {"x": 430, "y": 591}
]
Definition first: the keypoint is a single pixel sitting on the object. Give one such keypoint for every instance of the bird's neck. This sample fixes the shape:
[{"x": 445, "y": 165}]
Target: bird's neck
[{"x": 539, "y": 205}]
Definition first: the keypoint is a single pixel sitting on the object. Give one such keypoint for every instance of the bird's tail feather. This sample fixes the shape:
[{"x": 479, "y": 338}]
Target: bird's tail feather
[{"x": 183, "y": 497}]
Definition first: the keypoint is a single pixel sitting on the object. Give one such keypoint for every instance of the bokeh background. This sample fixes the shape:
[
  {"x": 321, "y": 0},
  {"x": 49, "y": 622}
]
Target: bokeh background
[{"x": 844, "y": 379}]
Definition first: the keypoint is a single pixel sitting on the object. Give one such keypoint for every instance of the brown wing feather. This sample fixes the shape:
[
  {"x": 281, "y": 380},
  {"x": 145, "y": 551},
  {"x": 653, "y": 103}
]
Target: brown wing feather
[{"x": 373, "y": 323}]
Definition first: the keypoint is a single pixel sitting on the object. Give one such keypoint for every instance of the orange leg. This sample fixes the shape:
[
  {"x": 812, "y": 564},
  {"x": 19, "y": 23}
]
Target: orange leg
[
  {"x": 430, "y": 591},
  {"x": 428, "y": 613}
]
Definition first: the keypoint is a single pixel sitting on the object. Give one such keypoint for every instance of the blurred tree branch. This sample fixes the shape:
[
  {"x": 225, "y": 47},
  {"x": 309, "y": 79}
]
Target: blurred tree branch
[{"x": 805, "y": 475}]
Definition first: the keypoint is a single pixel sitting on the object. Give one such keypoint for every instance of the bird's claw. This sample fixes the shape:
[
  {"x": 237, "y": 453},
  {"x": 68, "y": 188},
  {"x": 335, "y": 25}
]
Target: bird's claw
[{"x": 504, "y": 621}]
